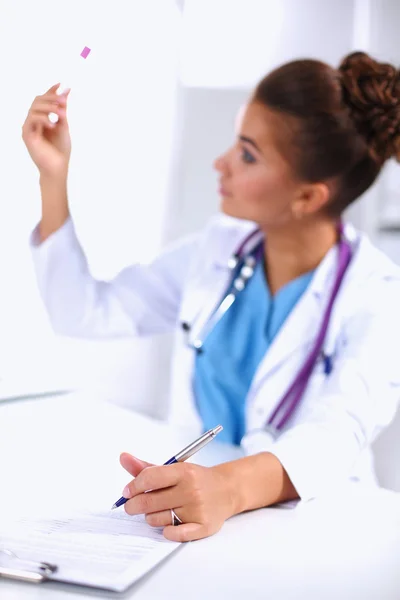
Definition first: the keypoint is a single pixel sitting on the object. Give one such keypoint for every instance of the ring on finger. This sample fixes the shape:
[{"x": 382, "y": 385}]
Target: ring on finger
[{"x": 175, "y": 520}]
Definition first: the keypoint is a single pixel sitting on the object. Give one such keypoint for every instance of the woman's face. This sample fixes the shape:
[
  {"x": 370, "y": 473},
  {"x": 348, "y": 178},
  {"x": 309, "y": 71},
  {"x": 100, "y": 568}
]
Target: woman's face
[{"x": 256, "y": 183}]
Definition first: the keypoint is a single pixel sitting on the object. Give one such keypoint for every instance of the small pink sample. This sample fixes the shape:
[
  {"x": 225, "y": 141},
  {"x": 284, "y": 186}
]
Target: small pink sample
[{"x": 85, "y": 52}]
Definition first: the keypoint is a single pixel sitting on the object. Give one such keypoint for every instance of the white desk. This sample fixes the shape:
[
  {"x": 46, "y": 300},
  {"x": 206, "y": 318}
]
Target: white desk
[{"x": 348, "y": 548}]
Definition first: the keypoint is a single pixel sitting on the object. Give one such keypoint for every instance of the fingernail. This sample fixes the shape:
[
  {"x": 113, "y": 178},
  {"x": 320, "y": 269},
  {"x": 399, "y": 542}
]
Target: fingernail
[{"x": 127, "y": 492}]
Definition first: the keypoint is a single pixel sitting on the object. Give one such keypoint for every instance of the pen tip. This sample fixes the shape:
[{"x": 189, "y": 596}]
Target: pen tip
[{"x": 114, "y": 506}]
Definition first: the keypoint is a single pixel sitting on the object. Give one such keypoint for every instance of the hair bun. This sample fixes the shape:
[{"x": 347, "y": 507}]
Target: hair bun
[{"x": 371, "y": 90}]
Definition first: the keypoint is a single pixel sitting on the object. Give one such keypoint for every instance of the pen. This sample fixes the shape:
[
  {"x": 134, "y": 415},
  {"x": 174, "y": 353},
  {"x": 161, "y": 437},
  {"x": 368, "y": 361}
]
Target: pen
[{"x": 184, "y": 454}]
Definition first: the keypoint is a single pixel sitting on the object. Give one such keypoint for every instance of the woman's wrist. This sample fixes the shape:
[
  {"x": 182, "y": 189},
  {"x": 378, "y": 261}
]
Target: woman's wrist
[
  {"x": 255, "y": 481},
  {"x": 55, "y": 210}
]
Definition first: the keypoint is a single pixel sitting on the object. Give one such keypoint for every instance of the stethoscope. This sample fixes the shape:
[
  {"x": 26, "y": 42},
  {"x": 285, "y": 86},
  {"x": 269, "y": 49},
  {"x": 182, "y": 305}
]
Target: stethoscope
[{"x": 242, "y": 265}]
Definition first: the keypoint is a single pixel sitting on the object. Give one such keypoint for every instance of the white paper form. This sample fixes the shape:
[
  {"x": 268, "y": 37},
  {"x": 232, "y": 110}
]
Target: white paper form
[{"x": 105, "y": 550}]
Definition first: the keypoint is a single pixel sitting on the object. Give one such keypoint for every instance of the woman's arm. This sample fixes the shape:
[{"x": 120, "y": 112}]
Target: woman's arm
[
  {"x": 256, "y": 481},
  {"x": 203, "y": 497},
  {"x": 141, "y": 300},
  {"x": 55, "y": 209}
]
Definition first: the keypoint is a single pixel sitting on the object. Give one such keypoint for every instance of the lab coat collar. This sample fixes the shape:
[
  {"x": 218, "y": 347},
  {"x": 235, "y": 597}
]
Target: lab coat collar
[{"x": 234, "y": 235}]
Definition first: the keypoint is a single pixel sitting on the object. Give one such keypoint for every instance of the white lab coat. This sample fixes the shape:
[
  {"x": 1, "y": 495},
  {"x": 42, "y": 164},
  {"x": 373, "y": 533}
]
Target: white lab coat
[{"x": 329, "y": 437}]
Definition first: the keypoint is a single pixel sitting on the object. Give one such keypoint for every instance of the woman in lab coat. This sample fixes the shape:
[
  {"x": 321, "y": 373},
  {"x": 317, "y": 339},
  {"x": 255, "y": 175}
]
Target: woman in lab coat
[{"x": 287, "y": 320}]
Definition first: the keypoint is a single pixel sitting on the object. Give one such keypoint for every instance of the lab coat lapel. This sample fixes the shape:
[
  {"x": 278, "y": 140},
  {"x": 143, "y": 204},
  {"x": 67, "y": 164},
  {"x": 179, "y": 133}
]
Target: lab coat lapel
[
  {"x": 213, "y": 289},
  {"x": 302, "y": 324}
]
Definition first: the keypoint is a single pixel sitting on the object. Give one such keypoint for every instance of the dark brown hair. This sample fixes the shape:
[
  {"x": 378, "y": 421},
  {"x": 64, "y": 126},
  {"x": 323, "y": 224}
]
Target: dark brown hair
[{"x": 342, "y": 124}]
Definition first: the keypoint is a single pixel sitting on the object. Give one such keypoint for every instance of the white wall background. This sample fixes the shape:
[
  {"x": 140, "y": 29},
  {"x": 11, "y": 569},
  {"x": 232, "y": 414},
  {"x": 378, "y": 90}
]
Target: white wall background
[{"x": 150, "y": 109}]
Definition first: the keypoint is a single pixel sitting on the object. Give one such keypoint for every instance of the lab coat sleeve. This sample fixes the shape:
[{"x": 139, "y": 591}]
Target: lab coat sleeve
[
  {"x": 358, "y": 400},
  {"x": 142, "y": 299}
]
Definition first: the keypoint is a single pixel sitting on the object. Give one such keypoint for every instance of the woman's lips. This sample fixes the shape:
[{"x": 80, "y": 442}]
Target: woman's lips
[{"x": 222, "y": 191}]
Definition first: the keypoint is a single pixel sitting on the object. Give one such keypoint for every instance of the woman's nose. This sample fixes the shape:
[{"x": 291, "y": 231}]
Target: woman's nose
[{"x": 220, "y": 163}]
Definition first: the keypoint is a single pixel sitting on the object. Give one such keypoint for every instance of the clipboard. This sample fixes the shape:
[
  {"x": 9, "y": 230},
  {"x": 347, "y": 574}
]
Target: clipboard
[
  {"x": 100, "y": 559},
  {"x": 41, "y": 571}
]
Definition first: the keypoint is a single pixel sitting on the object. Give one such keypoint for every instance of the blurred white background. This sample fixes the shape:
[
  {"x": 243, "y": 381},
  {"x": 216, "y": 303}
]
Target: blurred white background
[{"x": 150, "y": 109}]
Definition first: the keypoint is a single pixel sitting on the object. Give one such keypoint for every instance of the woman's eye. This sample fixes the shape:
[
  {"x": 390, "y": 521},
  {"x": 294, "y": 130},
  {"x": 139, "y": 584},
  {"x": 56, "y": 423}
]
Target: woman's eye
[{"x": 247, "y": 157}]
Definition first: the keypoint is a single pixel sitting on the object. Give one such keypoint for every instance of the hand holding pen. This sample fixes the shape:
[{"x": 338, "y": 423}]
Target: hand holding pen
[
  {"x": 184, "y": 454},
  {"x": 198, "y": 499}
]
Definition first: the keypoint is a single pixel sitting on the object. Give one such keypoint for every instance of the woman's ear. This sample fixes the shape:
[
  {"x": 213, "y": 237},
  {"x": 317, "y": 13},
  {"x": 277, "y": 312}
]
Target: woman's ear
[{"x": 311, "y": 199}]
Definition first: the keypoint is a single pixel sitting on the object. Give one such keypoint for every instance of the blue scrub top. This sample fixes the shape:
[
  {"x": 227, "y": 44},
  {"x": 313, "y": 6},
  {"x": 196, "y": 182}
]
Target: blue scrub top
[{"x": 235, "y": 347}]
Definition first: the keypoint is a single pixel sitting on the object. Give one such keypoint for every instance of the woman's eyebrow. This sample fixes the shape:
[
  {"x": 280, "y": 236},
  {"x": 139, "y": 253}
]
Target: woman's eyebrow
[{"x": 243, "y": 138}]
